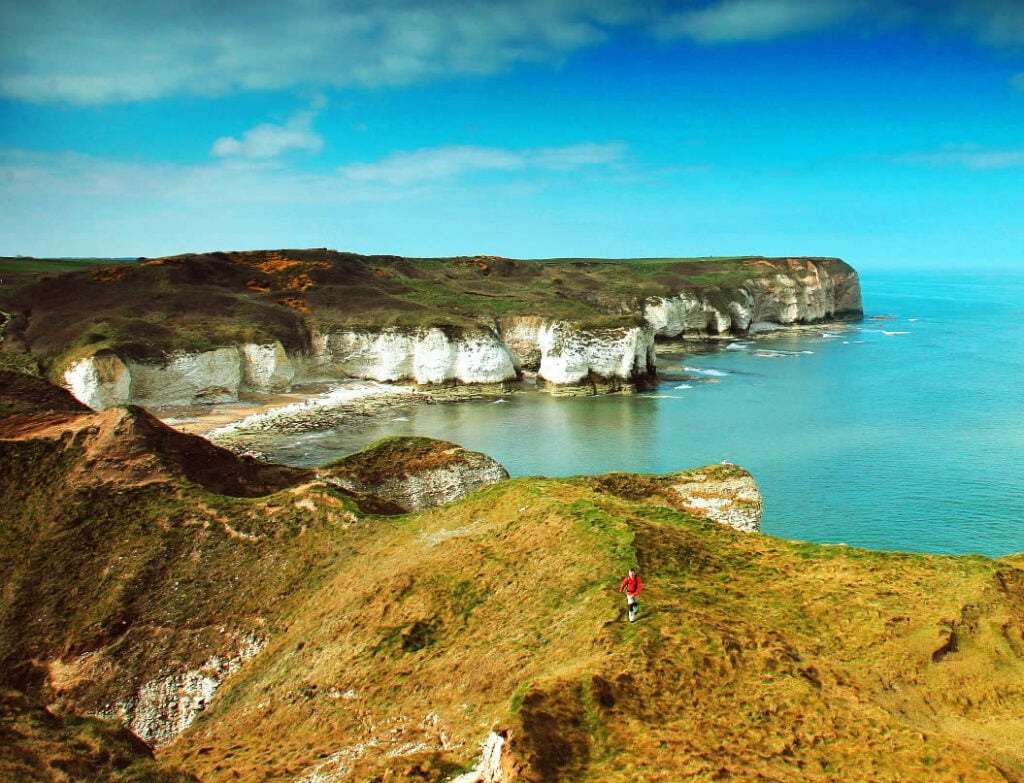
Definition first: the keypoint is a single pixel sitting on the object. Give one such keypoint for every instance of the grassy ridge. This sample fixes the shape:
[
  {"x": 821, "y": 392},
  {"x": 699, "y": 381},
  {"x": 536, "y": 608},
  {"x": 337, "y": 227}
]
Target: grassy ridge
[{"x": 394, "y": 643}]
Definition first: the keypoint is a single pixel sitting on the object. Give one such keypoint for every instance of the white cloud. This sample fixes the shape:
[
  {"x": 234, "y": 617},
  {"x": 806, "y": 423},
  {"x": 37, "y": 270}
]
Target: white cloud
[
  {"x": 136, "y": 50},
  {"x": 754, "y": 20},
  {"x": 439, "y": 163},
  {"x": 239, "y": 179},
  {"x": 270, "y": 141},
  {"x": 995, "y": 22},
  {"x": 111, "y": 207},
  {"x": 401, "y": 168},
  {"x": 969, "y": 156},
  {"x": 128, "y": 50},
  {"x": 998, "y": 23}
]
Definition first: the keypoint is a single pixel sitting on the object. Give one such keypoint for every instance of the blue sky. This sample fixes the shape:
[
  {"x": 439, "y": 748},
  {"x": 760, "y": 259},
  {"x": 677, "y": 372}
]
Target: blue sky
[{"x": 887, "y": 133}]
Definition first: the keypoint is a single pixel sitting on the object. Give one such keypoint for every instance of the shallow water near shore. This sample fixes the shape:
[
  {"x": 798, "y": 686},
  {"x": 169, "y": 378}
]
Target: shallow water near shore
[{"x": 901, "y": 433}]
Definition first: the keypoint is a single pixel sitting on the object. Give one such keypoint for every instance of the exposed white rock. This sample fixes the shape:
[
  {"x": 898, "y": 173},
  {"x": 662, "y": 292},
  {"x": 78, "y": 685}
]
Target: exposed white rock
[
  {"x": 104, "y": 380},
  {"x": 779, "y": 299},
  {"x": 100, "y": 381},
  {"x": 522, "y": 336},
  {"x": 185, "y": 378},
  {"x": 571, "y": 355},
  {"x": 415, "y": 488},
  {"x": 488, "y": 770},
  {"x": 563, "y": 354},
  {"x": 435, "y": 487},
  {"x": 727, "y": 495},
  {"x": 689, "y": 313},
  {"x": 423, "y": 355},
  {"x": 266, "y": 367},
  {"x": 165, "y": 707}
]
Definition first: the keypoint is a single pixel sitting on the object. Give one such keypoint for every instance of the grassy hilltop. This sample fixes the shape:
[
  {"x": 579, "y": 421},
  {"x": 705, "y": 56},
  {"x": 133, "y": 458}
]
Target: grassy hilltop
[
  {"x": 386, "y": 646},
  {"x": 144, "y": 309}
]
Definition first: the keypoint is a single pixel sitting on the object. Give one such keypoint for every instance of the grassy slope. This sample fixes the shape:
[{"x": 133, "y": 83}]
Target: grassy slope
[
  {"x": 148, "y": 308},
  {"x": 396, "y": 643},
  {"x": 756, "y": 657},
  {"x": 37, "y": 746},
  {"x": 768, "y": 659}
]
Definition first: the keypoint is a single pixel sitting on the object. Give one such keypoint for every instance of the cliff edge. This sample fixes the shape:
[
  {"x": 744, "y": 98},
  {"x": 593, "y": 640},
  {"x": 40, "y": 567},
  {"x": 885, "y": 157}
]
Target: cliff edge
[{"x": 203, "y": 328}]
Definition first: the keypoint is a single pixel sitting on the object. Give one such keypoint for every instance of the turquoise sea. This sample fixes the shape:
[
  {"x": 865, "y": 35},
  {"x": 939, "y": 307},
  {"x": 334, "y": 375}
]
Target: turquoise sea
[{"x": 903, "y": 433}]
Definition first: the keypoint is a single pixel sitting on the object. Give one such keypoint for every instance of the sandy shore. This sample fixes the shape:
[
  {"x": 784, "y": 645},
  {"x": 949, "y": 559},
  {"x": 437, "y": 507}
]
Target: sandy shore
[
  {"x": 304, "y": 407},
  {"x": 245, "y": 425}
]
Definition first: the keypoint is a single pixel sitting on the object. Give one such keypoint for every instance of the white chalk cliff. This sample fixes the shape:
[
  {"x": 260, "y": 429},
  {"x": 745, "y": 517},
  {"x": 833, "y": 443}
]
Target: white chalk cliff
[
  {"x": 611, "y": 356},
  {"x": 105, "y": 380},
  {"x": 568, "y": 357},
  {"x": 776, "y": 300},
  {"x": 432, "y": 355}
]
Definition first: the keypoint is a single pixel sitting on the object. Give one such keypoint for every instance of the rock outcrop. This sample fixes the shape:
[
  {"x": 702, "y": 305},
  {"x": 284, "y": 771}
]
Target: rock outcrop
[
  {"x": 164, "y": 707},
  {"x": 40, "y": 745},
  {"x": 724, "y": 493},
  {"x": 598, "y": 359},
  {"x": 414, "y": 473},
  {"x": 809, "y": 291}
]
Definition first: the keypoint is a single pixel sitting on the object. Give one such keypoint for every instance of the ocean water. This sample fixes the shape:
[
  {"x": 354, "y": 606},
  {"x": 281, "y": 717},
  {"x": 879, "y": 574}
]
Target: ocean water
[{"x": 904, "y": 433}]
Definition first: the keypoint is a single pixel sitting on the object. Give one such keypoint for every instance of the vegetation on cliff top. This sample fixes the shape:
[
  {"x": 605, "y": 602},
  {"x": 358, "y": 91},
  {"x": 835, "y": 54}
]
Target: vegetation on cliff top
[
  {"x": 393, "y": 644},
  {"x": 148, "y": 308}
]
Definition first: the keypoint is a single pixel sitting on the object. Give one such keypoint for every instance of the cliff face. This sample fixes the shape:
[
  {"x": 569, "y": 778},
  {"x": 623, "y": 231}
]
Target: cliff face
[
  {"x": 105, "y": 380},
  {"x": 807, "y": 292},
  {"x": 424, "y": 356},
  {"x": 589, "y": 329}
]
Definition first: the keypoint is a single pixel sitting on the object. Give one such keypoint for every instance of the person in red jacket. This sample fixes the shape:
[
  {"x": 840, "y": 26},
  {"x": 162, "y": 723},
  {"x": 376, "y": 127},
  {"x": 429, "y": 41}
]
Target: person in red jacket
[{"x": 632, "y": 586}]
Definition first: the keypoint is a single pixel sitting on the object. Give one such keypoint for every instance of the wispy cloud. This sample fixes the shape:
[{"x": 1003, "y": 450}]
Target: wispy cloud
[
  {"x": 125, "y": 50},
  {"x": 994, "y": 22},
  {"x": 755, "y": 20},
  {"x": 270, "y": 141},
  {"x": 1017, "y": 81},
  {"x": 448, "y": 162},
  {"x": 969, "y": 156},
  {"x": 255, "y": 178},
  {"x": 110, "y": 206}
]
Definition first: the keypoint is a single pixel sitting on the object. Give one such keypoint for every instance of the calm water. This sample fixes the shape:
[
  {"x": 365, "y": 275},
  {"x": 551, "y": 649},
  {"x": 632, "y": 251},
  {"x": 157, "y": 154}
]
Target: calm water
[{"x": 902, "y": 434}]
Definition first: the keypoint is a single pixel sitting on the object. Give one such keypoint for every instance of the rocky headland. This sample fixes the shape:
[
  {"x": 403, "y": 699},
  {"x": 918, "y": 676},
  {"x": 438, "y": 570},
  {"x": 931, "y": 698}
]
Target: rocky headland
[
  {"x": 207, "y": 328},
  {"x": 250, "y": 622}
]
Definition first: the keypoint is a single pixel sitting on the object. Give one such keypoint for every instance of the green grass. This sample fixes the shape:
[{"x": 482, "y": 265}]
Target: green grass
[{"x": 38, "y": 266}]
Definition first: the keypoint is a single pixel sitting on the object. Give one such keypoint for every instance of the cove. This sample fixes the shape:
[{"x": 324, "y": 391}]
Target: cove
[{"x": 901, "y": 432}]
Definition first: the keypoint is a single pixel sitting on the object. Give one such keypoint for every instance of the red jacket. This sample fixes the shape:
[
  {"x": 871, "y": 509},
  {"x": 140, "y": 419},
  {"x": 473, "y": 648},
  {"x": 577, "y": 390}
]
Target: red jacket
[{"x": 631, "y": 585}]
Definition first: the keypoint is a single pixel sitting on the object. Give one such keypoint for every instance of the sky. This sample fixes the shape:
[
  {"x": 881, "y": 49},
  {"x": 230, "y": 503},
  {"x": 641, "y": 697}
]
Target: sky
[{"x": 886, "y": 132}]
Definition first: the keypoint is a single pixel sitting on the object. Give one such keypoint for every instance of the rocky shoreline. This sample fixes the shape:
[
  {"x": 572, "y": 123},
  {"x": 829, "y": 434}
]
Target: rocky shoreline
[
  {"x": 246, "y": 426},
  {"x": 243, "y": 428}
]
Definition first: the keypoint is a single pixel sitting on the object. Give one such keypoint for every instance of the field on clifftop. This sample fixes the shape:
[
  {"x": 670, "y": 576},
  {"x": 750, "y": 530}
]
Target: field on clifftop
[
  {"x": 266, "y": 626},
  {"x": 151, "y": 307}
]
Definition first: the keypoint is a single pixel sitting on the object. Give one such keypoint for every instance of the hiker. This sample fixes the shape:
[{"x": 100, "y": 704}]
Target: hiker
[{"x": 632, "y": 586}]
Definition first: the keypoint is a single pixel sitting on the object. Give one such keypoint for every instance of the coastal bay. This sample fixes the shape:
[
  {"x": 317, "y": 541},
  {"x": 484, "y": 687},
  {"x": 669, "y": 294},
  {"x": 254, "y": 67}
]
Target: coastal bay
[{"x": 900, "y": 432}]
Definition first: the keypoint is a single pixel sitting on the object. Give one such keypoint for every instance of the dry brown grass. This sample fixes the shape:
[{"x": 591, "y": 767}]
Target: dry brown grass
[{"x": 394, "y": 644}]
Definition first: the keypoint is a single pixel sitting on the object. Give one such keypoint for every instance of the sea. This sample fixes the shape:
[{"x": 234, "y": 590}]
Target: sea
[{"x": 903, "y": 431}]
